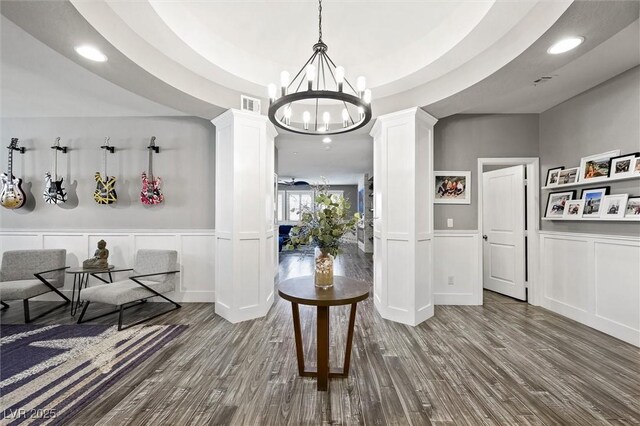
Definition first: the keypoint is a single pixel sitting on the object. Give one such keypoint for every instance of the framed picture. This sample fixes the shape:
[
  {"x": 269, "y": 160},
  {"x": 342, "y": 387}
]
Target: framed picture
[
  {"x": 557, "y": 202},
  {"x": 623, "y": 165},
  {"x": 592, "y": 200},
  {"x": 613, "y": 206},
  {"x": 573, "y": 209},
  {"x": 567, "y": 176},
  {"x": 633, "y": 207},
  {"x": 596, "y": 167},
  {"x": 552, "y": 176},
  {"x": 636, "y": 166},
  {"x": 452, "y": 187}
]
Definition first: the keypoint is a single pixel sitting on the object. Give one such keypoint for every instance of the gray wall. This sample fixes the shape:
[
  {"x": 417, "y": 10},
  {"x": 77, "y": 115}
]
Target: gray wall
[
  {"x": 185, "y": 163},
  {"x": 601, "y": 119},
  {"x": 460, "y": 140}
]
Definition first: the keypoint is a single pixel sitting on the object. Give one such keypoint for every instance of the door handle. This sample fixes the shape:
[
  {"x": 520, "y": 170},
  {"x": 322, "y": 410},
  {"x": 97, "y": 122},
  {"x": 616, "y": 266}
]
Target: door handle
[{"x": 484, "y": 237}]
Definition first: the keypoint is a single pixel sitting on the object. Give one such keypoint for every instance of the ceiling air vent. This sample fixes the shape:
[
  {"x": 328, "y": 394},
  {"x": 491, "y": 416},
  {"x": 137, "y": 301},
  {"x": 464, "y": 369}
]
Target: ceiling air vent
[{"x": 249, "y": 104}]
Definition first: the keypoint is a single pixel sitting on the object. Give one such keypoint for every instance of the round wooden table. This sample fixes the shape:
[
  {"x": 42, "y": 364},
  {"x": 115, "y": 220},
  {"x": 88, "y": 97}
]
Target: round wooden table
[{"x": 345, "y": 291}]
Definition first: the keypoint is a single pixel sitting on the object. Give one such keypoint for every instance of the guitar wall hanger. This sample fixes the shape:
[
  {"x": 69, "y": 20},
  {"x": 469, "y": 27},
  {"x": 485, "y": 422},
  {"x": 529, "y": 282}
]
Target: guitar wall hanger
[
  {"x": 153, "y": 146},
  {"x": 14, "y": 146},
  {"x": 57, "y": 146},
  {"x": 108, "y": 147}
]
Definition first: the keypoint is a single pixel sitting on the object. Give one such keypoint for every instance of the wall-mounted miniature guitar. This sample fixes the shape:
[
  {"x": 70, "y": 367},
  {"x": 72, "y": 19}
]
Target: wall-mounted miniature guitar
[
  {"x": 105, "y": 192},
  {"x": 150, "y": 193},
  {"x": 12, "y": 196},
  {"x": 54, "y": 193}
]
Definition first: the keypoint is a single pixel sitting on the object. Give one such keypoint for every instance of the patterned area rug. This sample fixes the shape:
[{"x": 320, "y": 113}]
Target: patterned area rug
[{"x": 49, "y": 373}]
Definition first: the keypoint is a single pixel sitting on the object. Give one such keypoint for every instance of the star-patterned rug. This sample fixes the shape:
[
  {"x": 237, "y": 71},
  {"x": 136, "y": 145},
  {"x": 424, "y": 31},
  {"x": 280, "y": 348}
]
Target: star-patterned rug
[{"x": 50, "y": 372}]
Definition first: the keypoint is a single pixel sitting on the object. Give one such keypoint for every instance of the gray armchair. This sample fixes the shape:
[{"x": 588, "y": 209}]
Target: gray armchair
[
  {"x": 154, "y": 274},
  {"x": 25, "y": 274}
]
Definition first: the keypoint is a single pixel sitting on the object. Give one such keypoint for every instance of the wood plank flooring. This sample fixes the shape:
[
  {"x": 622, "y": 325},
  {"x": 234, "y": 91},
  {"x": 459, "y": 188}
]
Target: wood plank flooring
[{"x": 504, "y": 363}]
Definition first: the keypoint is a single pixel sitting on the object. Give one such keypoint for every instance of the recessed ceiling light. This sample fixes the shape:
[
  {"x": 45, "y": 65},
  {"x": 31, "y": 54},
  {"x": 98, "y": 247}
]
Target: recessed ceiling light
[
  {"x": 565, "y": 45},
  {"x": 91, "y": 53},
  {"x": 326, "y": 140}
]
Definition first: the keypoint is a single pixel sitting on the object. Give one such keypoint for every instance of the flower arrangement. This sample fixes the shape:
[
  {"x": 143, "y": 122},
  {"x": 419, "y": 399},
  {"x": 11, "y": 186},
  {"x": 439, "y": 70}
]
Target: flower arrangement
[{"x": 323, "y": 227}]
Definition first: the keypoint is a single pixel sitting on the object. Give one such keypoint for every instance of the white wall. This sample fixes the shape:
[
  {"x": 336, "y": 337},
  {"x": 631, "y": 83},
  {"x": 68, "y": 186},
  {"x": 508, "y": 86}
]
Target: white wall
[
  {"x": 593, "y": 279},
  {"x": 457, "y": 279},
  {"x": 195, "y": 249}
]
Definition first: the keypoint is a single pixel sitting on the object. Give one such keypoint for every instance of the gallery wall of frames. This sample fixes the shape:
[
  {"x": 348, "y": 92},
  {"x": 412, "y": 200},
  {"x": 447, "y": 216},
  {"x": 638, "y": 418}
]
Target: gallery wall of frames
[{"x": 581, "y": 193}]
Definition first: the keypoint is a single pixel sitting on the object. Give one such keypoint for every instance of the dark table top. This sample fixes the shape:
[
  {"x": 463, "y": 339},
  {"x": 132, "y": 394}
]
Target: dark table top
[
  {"x": 303, "y": 290},
  {"x": 81, "y": 270}
]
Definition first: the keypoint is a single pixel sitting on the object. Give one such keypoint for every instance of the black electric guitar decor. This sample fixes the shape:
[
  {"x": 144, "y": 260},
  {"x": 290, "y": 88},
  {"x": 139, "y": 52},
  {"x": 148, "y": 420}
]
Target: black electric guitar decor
[
  {"x": 11, "y": 195},
  {"x": 105, "y": 192},
  {"x": 54, "y": 193}
]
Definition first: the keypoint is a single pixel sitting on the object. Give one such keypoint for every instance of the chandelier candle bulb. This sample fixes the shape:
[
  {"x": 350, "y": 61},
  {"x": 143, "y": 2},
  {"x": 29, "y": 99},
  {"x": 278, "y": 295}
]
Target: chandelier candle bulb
[
  {"x": 306, "y": 117},
  {"x": 361, "y": 84},
  {"x": 339, "y": 77},
  {"x": 287, "y": 115},
  {"x": 311, "y": 75},
  {"x": 284, "y": 82},
  {"x": 345, "y": 117},
  {"x": 367, "y": 96},
  {"x": 361, "y": 112},
  {"x": 272, "y": 90}
]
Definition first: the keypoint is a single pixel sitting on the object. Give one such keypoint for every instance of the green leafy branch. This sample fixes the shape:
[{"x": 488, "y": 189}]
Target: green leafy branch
[{"x": 325, "y": 225}]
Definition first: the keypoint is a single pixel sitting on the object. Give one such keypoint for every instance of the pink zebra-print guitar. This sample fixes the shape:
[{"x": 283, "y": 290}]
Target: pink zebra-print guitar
[{"x": 151, "y": 193}]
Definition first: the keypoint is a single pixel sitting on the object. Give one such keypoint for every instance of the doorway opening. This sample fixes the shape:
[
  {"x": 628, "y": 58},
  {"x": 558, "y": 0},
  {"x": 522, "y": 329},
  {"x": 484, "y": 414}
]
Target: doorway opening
[{"x": 508, "y": 220}]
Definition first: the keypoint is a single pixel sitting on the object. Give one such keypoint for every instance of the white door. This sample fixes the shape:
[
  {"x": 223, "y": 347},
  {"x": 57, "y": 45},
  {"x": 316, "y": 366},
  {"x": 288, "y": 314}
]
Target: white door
[{"x": 503, "y": 219}]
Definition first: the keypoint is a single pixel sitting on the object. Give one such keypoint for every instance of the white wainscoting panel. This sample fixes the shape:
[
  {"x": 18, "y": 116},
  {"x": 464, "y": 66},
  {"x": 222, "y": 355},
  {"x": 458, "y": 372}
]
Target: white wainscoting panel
[
  {"x": 593, "y": 279},
  {"x": 196, "y": 253},
  {"x": 456, "y": 256}
]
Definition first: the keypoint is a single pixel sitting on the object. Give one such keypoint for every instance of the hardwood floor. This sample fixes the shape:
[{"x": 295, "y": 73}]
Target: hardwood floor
[{"x": 502, "y": 363}]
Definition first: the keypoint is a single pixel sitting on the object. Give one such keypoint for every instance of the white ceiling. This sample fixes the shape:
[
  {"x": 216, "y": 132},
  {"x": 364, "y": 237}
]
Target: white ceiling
[{"x": 38, "y": 82}]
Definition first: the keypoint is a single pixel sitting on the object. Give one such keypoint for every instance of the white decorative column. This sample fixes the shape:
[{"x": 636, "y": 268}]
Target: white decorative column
[
  {"x": 245, "y": 258},
  {"x": 403, "y": 215}
]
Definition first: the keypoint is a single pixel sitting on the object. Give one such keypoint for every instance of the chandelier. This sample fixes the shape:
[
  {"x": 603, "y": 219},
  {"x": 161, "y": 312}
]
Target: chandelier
[{"x": 305, "y": 109}]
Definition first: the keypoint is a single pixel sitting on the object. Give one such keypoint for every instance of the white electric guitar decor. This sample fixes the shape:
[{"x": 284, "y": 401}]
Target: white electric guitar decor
[
  {"x": 11, "y": 195},
  {"x": 54, "y": 193}
]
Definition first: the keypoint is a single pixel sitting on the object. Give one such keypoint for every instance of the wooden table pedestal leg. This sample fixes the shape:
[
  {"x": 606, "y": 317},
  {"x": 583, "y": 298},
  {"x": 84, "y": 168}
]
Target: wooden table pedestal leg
[
  {"x": 323, "y": 348},
  {"x": 347, "y": 350},
  {"x": 298, "y": 336}
]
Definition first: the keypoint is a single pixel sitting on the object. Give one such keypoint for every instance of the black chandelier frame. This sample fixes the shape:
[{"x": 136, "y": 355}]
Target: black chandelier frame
[{"x": 323, "y": 66}]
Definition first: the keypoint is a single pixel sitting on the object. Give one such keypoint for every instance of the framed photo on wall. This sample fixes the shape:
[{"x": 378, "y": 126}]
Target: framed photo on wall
[
  {"x": 596, "y": 167},
  {"x": 592, "y": 201},
  {"x": 636, "y": 167},
  {"x": 623, "y": 165},
  {"x": 557, "y": 202},
  {"x": 573, "y": 209},
  {"x": 552, "y": 175},
  {"x": 567, "y": 176},
  {"x": 633, "y": 207},
  {"x": 452, "y": 187},
  {"x": 613, "y": 206}
]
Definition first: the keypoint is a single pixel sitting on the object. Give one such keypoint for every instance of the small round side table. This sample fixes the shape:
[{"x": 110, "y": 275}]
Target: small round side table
[
  {"x": 345, "y": 291},
  {"x": 81, "y": 277}
]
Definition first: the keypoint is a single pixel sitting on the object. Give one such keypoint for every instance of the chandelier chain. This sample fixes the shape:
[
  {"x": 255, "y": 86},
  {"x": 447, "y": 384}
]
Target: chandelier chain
[{"x": 320, "y": 21}]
